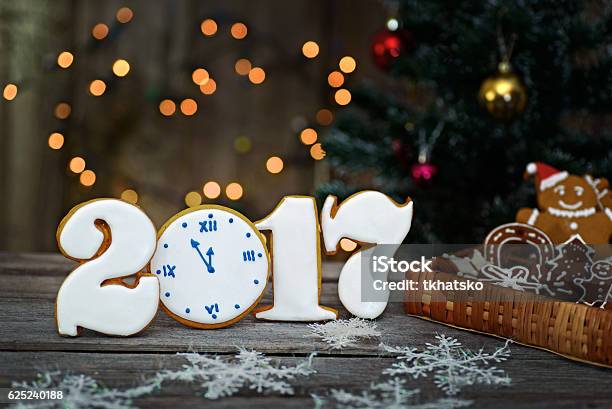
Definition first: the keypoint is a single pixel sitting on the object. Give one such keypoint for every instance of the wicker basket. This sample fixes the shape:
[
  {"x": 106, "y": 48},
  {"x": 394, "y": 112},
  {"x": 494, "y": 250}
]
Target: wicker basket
[{"x": 576, "y": 331}]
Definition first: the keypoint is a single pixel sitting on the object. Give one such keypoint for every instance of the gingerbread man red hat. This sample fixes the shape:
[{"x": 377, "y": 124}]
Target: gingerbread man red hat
[{"x": 545, "y": 175}]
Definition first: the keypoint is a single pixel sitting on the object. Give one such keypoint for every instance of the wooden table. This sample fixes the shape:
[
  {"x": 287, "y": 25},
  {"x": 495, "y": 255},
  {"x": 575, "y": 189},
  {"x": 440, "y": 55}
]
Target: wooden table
[{"x": 29, "y": 343}]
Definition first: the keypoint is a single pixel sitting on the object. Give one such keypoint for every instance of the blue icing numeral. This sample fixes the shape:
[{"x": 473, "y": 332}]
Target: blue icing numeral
[
  {"x": 207, "y": 226},
  {"x": 212, "y": 309},
  {"x": 166, "y": 245},
  {"x": 248, "y": 235},
  {"x": 231, "y": 220},
  {"x": 256, "y": 281},
  {"x": 167, "y": 294},
  {"x": 248, "y": 255},
  {"x": 168, "y": 271},
  {"x": 184, "y": 225},
  {"x": 187, "y": 310},
  {"x": 236, "y": 306}
]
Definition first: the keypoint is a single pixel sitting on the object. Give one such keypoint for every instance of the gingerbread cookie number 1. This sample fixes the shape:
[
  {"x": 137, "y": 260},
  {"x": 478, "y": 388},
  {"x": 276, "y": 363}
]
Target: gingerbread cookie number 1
[{"x": 111, "y": 239}]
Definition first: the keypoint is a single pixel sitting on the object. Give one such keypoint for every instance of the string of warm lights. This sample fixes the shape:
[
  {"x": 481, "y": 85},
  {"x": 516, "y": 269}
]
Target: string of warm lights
[
  {"x": 167, "y": 107},
  {"x": 96, "y": 88}
]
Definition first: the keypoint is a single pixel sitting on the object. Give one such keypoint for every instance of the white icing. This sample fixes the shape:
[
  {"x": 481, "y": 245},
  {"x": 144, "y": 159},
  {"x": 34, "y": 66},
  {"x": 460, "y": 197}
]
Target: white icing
[
  {"x": 572, "y": 213},
  {"x": 574, "y": 226},
  {"x": 533, "y": 217},
  {"x": 367, "y": 217},
  {"x": 532, "y": 168},
  {"x": 296, "y": 258},
  {"x": 111, "y": 309},
  {"x": 212, "y": 266},
  {"x": 574, "y": 206},
  {"x": 553, "y": 180},
  {"x": 608, "y": 213}
]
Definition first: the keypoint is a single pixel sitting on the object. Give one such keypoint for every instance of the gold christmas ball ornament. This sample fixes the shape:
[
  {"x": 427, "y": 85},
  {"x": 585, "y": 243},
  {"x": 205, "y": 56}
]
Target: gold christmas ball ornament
[{"x": 503, "y": 94}]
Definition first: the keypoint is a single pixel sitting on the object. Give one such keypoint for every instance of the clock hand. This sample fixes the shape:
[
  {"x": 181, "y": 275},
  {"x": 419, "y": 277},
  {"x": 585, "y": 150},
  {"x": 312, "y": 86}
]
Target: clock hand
[
  {"x": 210, "y": 253},
  {"x": 196, "y": 245}
]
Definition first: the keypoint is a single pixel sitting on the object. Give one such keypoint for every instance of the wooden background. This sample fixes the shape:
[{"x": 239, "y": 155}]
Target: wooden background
[
  {"x": 122, "y": 135},
  {"x": 29, "y": 344}
]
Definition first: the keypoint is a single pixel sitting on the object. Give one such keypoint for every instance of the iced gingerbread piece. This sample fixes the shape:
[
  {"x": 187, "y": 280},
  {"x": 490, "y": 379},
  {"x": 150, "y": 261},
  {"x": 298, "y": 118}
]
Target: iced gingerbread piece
[{"x": 569, "y": 205}]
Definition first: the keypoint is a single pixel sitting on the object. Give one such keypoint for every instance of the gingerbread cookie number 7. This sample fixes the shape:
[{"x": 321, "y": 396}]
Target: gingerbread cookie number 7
[
  {"x": 368, "y": 217},
  {"x": 111, "y": 239}
]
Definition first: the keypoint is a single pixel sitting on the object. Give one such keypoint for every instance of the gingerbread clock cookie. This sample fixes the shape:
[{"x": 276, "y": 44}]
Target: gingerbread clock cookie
[{"x": 212, "y": 265}]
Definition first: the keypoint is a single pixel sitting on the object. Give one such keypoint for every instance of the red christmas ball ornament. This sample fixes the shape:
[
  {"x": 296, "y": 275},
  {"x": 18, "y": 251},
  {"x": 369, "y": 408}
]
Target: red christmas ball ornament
[
  {"x": 422, "y": 173},
  {"x": 387, "y": 45}
]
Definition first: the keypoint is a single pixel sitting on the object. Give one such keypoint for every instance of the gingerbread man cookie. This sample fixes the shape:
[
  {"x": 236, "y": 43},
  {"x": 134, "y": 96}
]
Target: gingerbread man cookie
[{"x": 569, "y": 205}]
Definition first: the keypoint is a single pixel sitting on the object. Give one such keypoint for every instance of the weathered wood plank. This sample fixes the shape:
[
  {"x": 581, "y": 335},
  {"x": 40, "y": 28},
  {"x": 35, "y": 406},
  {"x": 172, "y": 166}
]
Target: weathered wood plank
[{"x": 533, "y": 386}]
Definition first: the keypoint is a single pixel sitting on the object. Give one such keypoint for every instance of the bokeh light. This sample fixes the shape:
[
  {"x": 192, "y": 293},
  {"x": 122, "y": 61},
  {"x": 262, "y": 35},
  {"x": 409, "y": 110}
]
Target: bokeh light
[
  {"x": 99, "y": 31},
  {"x": 56, "y": 140},
  {"x": 189, "y": 106},
  {"x": 239, "y": 31},
  {"x": 274, "y": 164},
  {"x": 317, "y": 152},
  {"x": 212, "y": 189},
  {"x": 10, "y": 92},
  {"x": 208, "y": 27},
  {"x": 87, "y": 178},
  {"x": 392, "y": 24},
  {"x": 324, "y": 117},
  {"x": 234, "y": 191},
  {"x": 65, "y": 59},
  {"x": 121, "y": 68},
  {"x": 209, "y": 87},
  {"x": 347, "y": 245},
  {"x": 242, "y": 66},
  {"x": 310, "y": 49},
  {"x": 200, "y": 76},
  {"x": 124, "y": 15},
  {"x": 257, "y": 75},
  {"x": 342, "y": 96},
  {"x": 242, "y": 144},
  {"x": 193, "y": 199},
  {"x": 347, "y": 64},
  {"x": 130, "y": 196},
  {"x": 167, "y": 107},
  {"x": 97, "y": 87},
  {"x": 62, "y": 110},
  {"x": 335, "y": 79},
  {"x": 76, "y": 164},
  {"x": 308, "y": 136}
]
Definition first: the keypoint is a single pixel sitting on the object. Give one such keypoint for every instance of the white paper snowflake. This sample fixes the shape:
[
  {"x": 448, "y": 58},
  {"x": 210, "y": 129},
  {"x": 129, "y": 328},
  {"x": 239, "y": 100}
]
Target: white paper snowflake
[
  {"x": 344, "y": 333},
  {"x": 452, "y": 365},
  {"x": 217, "y": 376},
  {"x": 79, "y": 391},
  {"x": 391, "y": 394}
]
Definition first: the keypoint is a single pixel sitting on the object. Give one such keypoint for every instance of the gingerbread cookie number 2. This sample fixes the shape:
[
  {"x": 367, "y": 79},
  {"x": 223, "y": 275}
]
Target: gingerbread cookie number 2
[
  {"x": 112, "y": 239},
  {"x": 212, "y": 265}
]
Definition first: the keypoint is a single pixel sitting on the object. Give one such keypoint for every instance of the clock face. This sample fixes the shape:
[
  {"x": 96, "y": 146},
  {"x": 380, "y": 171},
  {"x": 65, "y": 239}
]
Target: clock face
[{"x": 212, "y": 266}]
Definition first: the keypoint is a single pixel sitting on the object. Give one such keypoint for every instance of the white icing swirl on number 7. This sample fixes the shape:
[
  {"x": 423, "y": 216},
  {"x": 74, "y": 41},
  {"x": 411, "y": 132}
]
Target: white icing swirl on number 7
[
  {"x": 82, "y": 300},
  {"x": 368, "y": 217}
]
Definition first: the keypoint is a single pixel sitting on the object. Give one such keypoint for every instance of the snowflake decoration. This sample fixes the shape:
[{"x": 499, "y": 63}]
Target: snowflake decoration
[
  {"x": 344, "y": 333},
  {"x": 218, "y": 377},
  {"x": 390, "y": 394},
  {"x": 79, "y": 391},
  {"x": 452, "y": 365}
]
